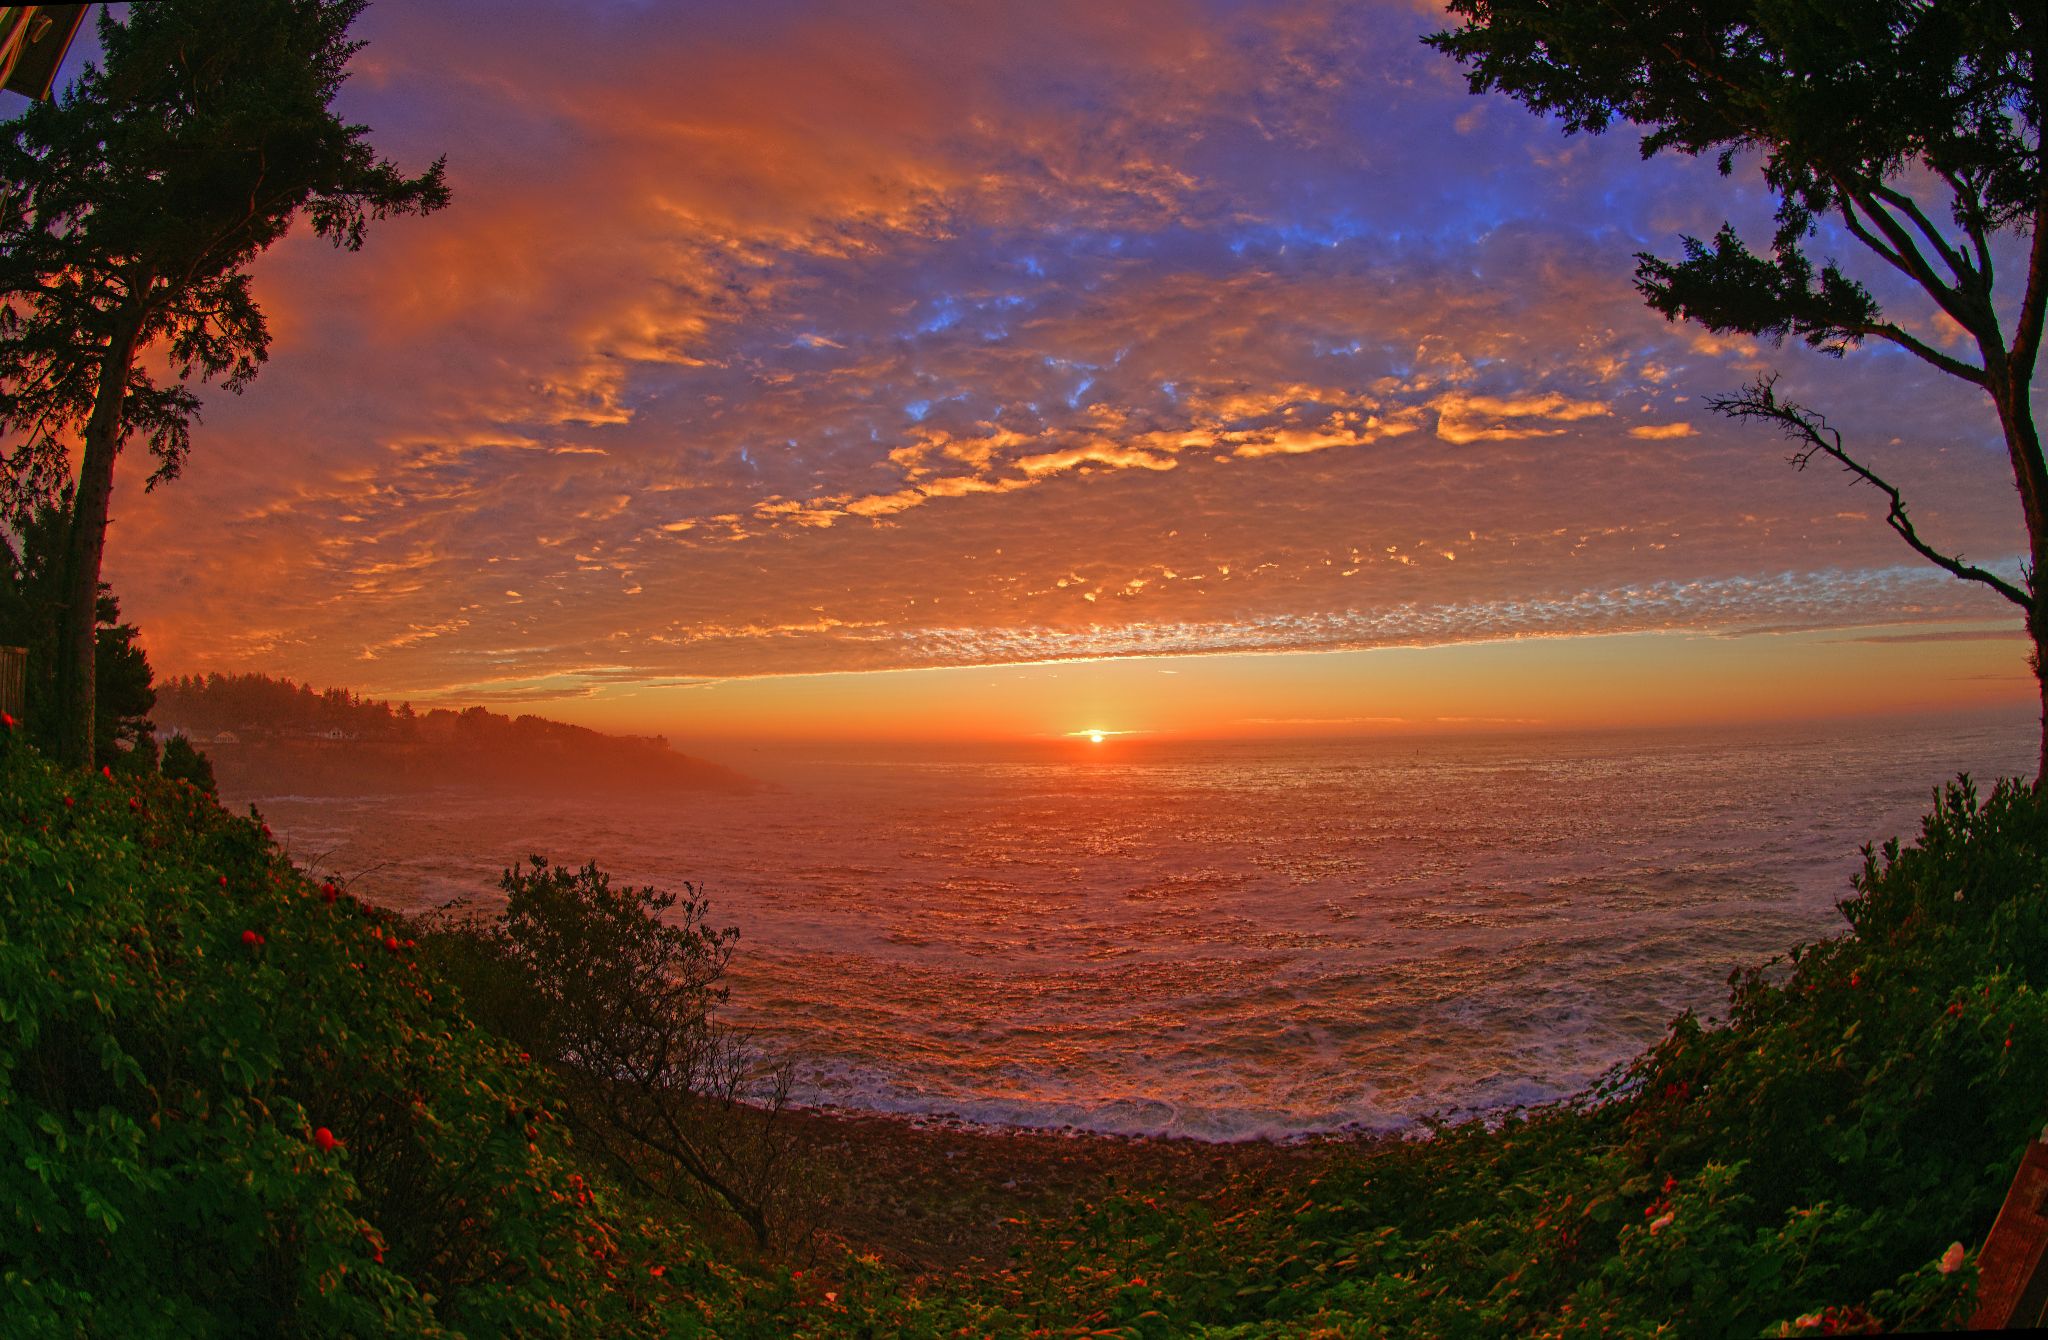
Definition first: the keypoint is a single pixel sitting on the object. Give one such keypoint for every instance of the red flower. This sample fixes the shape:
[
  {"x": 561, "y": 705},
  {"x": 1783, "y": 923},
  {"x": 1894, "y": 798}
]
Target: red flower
[
  {"x": 252, "y": 938},
  {"x": 7, "y": 720},
  {"x": 106, "y": 772},
  {"x": 324, "y": 1139},
  {"x": 223, "y": 881},
  {"x": 327, "y": 891},
  {"x": 391, "y": 943}
]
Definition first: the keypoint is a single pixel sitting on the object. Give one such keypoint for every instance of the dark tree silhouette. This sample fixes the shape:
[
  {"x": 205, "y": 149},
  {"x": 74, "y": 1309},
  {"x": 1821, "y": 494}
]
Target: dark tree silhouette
[
  {"x": 1914, "y": 127},
  {"x": 130, "y": 210},
  {"x": 31, "y": 595}
]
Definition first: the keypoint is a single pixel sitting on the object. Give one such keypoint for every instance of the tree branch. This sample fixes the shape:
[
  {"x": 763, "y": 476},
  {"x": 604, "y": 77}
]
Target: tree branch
[
  {"x": 1950, "y": 256},
  {"x": 1927, "y": 353},
  {"x": 1970, "y": 213},
  {"x": 1903, "y": 255},
  {"x": 1802, "y": 425}
]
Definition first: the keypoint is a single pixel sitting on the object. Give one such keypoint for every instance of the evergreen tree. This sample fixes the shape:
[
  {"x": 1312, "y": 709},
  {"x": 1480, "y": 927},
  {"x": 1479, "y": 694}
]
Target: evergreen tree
[
  {"x": 130, "y": 211},
  {"x": 31, "y": 566}
]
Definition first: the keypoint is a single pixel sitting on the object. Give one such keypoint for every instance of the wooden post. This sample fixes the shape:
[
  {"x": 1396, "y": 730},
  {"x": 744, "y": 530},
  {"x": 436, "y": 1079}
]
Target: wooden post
[
  {"x": 2012, "y": 1286},
  {"x": 14, "y": 681}
]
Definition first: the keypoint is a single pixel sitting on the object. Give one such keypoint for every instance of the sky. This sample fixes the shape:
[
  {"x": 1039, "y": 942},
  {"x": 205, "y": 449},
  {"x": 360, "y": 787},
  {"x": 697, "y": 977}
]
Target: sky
[{"x": 980, "y": 369}]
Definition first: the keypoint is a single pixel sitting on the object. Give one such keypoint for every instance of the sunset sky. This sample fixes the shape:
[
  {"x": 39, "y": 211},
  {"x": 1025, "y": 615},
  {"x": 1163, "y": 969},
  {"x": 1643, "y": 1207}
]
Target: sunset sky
[{"x": 878, "y": 370}]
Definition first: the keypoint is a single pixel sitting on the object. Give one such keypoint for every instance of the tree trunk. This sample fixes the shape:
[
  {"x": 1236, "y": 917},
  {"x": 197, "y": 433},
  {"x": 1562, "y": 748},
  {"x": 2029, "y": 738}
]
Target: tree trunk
[
  {"x": 2013, "y": 397},
  {"x": 78, "y": 625},
  {"x": 2040, "y": 662}
]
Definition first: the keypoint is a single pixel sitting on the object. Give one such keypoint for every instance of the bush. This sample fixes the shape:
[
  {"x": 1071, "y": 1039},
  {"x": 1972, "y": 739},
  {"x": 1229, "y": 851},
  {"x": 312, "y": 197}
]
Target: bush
[
  {"x": 183, "y": 762},
  {"x": 620, "y": 989}
]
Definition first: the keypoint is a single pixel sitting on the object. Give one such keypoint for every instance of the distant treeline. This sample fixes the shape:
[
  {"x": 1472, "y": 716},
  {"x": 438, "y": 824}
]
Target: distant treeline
[
  {"x": 259, "y": 707},
  {"x": 263, "y": 732}
]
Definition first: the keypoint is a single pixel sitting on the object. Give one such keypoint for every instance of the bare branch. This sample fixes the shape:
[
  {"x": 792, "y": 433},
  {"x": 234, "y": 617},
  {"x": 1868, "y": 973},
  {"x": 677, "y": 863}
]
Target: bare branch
[{"x": 1812, "y": 431}]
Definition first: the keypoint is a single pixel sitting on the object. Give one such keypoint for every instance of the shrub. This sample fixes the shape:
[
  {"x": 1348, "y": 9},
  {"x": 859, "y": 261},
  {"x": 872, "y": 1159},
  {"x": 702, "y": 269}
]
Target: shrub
[
  {"x": 183, "y": 762},
  {"x": 620, "y": 988}
]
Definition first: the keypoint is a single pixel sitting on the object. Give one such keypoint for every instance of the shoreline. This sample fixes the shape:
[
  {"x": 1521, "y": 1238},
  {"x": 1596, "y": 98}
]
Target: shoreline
[{"x": 948, "y": 1196}]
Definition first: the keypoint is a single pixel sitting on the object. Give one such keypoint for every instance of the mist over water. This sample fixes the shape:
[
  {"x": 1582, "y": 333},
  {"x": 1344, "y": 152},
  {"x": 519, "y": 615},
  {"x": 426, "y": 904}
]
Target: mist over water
[{"x": 1220, "y": 940}]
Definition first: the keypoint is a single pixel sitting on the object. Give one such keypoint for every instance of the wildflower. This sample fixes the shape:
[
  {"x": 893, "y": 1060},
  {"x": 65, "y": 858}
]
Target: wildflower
[
  {"x": 106, "y": 772},
  {"x": 253, "y": 939},
  {"x": 1952, "y": 1259},
  {"x": 831, "y": 1296},
  {"x": 1808, "y": 1322},
  {"x": 324, "y": 1140},
  {"x": 657, "y": 1271},
  {"x": 391, "y": 943},
  {"x": 1662, "y": 1222},
  {"x": 223, "y": 881},
  {"x": 328, "y": 891},
  {"x": 7, "y": 720}
]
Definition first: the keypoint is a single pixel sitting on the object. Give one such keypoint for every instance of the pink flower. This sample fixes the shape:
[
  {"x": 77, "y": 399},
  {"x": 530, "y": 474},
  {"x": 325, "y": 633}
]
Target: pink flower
[
  {"x": 1662, "y": 1222},
  {"x": 1952, "y": 1259}
]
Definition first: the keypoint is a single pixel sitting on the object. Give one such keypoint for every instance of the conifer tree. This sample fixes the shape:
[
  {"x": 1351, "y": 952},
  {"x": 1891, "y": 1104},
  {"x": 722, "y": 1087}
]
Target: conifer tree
[{"x": 130, "y": 210}]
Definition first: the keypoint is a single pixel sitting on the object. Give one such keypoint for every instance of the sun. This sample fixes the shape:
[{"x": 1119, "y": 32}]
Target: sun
[{"x": 1095, "y": 736}]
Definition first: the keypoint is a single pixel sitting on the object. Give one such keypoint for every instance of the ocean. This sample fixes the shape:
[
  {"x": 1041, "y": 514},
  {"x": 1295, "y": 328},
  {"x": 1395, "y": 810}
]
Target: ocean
[{"x": 1218, "y": 940}]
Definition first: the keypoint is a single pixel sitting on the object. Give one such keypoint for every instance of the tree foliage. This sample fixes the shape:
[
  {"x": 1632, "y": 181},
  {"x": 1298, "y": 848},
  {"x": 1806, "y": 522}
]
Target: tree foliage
[{"x": 1858, "y": 113}]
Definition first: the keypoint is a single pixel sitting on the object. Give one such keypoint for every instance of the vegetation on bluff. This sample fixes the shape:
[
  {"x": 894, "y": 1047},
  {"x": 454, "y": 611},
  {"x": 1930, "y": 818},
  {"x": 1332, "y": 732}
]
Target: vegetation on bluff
[{"x": 228, "y": 1092}]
